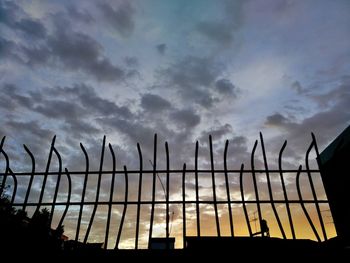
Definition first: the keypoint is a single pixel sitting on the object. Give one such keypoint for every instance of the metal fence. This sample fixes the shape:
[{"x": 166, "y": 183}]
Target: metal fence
[{"x": 241, "y": 173}]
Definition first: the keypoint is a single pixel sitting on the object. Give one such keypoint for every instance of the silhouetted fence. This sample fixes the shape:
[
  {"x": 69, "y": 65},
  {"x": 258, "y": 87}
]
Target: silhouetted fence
[{"x": 241, "y": 173}]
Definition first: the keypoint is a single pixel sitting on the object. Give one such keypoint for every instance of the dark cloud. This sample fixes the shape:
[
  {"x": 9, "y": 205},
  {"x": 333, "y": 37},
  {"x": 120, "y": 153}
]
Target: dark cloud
[
  {"x": 186, "y": 118},
  {"x": 91, "y": 101},
  {"x": 8, "y": 12},
  {"x": 225, "y": 87},
  {"x": 80, "y": 51},
  {"x": 64, "y": 47},
  {"x": 31, "y": 126},
  {"x": 217, "y": 133},
  {"x": 219, "y": 32},
  {"x": 121, "y": 18},
  {"x": 80, "y": 15},
  {"x": 131, "y": 61},
  {"x": 276, "y": 119},
  {"x": 192, "y": 78},
  {"x": 331, "y": 118},
  {"x": 154, "y": 103},
  {"x": 31, "y": 27},
  {"x": 297, "y": 87},
  {"x": 161, "y": 48}
]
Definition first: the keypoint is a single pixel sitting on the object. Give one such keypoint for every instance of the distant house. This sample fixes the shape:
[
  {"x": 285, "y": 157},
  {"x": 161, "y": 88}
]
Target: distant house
[{"x": 335, "y": 172}]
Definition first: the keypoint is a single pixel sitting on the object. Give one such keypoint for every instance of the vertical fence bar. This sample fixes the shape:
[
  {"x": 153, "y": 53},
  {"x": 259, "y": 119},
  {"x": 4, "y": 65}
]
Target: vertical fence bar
[
  {"x": 303, "y": 205},
  {"x": 184, "y": 206},
  {"x": 153, "y": 187},
  {"x": 68, "y": 199},
  {"x": 7, "y": 168},
  {"x": 197, "y": 190},
  {"x": 57, "y": 184},
  {"x": 243, "y": 200},
  {"x": 214, "y": 187},
  {"x": 2, "y": 186},
  {"x": 255, "y": 183},
  {"x": 228, "y": 189},
  {"x": 110, "y": 196},
  {"x": 125, "y": 207},
  {"x": 15, "y": 183},
  {"x": 31, "y": 177},
  {"x": 270, "y": 187},
  {"x": 83, "y": 191},
  {"x": 167, "y": 194},
  {"x": 45, "y": 175},
  {"x": 284, "y": 190},
  {"x": 139, "y": 197},
  {"x": 313, "y": 190},
  {"x": 97, "y": 191},
  {"x": 319, "y": 166}
]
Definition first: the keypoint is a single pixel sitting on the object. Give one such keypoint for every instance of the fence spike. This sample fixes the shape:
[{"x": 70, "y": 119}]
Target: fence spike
[
  {"x": 139, "y": 196},
  {"x": 270, "y": 187},
  {"x": 97, "y": 191},
  {"x": 125, "y": 207},
  {"x": 228, "y": 189},
  {"x": 285, "y": 190}
]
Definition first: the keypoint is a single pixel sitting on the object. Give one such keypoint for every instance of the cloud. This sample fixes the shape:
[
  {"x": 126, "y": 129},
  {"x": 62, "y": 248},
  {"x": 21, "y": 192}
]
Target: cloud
[
  {"x": 217, "y": 132},
  {"x": 217, "y": 31},
  {"x": 330, "y": 118},
  {"x": 185, "y": 118},
  {"x": 80, "y": 51},
  {"x": 161, "y": 48},
  {"x": 154, "y": 103},
  {"x": 192, "y": 77},
  {"x": 131, "y": 61},
  {"x": 225, "y": 87},
  {"x": 80, "y": 15},
  {"x": 64, "y": 47},
  {"x": 297, "y": 86},
  {"x": 276, "y": 119},
  {"x": 31, "y": 27},
  {"x": 121, "y": 18}
]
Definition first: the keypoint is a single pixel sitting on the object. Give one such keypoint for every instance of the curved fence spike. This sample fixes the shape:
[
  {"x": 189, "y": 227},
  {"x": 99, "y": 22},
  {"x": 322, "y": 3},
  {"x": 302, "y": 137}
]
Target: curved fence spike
[
  {"x": 139, "y": 197},
  {"x": 31, "y": 176},
  {"x": 214, "y": 187},
  {"x": 57, "y": 183},
  {"x": 243, "y": 201},
  {"x": 110, "y": 195},
  {"x": 68, "y": 198},
  {"x": 167, "y": 193},
  {"x": 125, "y": 207},
  {"x": 97, "y": 192},
  {"x": 317, "y": 206},
  {"x": 153, "y": 188},
  {"x": 313, "y": 191},
  {"x": 270, "y": 187},
  {"x": 285, "y": 190},
  {"x": 303, "y": 205},
  {"x": 184, "y": 205},
  {"x": 228, "y": 189},
  {"x": 15, "y": 183},
  {"x": 45, "y": 175},
  {"x": 83, "y": 191},
  {"x": 197, "y": 190},
  {"x": 7, "y": 168},
  {"x": 255, "y": 183}
]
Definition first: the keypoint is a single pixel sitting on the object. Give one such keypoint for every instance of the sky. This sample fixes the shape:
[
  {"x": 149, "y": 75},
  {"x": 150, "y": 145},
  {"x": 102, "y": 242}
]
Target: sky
[{"x": 182, "y": 69}]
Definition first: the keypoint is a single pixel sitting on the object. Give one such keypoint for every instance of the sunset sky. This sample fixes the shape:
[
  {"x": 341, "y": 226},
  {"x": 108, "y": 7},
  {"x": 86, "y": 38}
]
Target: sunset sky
[{"x": 181, "y": 69}]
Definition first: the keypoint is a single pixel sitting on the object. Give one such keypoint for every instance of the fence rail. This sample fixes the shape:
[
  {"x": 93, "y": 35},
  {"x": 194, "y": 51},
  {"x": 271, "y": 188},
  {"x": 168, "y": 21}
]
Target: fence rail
[{"x": 242, "y": 173}]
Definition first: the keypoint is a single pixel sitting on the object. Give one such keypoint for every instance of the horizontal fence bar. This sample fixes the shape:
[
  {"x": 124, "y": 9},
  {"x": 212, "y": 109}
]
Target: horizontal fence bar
[
  {"x": 177, "y": 202},
  {"x": 170, "y": 171}
]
